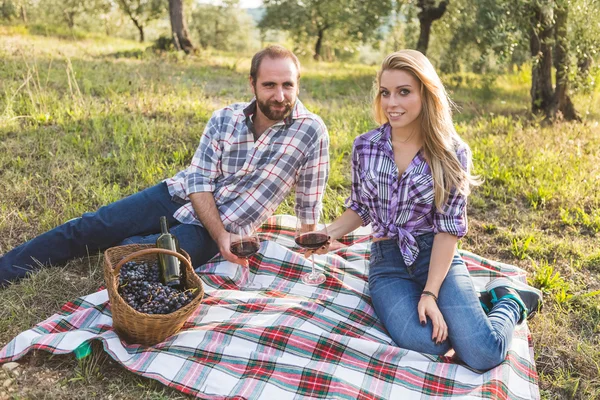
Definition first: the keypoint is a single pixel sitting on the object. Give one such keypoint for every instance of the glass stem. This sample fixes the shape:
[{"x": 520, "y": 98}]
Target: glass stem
[{"x": 312, "y": 257}]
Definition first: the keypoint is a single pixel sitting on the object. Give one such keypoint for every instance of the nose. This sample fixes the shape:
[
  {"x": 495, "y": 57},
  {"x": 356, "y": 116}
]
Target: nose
[
  {"x": 393, "y": 101},
  {"x": 278, "y": 95}
]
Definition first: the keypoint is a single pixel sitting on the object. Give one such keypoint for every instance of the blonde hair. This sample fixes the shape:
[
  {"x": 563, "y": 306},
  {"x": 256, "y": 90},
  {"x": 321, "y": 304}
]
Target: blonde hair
[{"x": 440, "y": 139}]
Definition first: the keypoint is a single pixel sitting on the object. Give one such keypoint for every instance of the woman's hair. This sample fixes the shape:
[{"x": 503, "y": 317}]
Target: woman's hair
[{"x": 440, "y": 140}]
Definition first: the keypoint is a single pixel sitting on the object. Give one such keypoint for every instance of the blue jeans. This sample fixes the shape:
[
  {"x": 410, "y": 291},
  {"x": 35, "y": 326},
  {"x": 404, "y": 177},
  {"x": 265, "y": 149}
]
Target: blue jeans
[
  {"x": 480, "y": 341},
  {"x": 134, "y": 219}
]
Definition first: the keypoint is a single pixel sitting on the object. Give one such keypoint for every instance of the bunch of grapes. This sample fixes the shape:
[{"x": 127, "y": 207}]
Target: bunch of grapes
[{"x": 141, "y": 288}]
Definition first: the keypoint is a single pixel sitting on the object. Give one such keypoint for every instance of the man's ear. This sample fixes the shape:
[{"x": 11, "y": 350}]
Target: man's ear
[{"x": 252, "y": 84}]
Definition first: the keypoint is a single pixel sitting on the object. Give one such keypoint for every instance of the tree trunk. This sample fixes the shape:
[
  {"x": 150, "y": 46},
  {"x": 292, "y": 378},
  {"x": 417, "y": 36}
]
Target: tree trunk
[
  {"x": 181, "y": 37},
  {"x": 429, "y": 13},
  {"x": 562, "y": 102},
  {"x": 542, "y": 95},
  {"x": 5, "y": 11},
  {"x": 140, "y": 29},
  {"x": 23, "y": 14},
  {"x": 425, "y": 29},
  {"x": 319, "y": 45},
  {"x": 70, "y": 18}
]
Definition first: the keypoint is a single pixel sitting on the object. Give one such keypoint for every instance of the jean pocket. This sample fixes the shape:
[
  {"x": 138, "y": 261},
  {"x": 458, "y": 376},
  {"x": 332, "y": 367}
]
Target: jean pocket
[{"x": 376, "y": 254}]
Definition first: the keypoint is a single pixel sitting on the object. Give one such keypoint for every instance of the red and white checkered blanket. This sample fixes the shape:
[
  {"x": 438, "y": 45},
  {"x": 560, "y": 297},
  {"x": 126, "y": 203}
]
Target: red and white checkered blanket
[{"x": 263, "y": 334}]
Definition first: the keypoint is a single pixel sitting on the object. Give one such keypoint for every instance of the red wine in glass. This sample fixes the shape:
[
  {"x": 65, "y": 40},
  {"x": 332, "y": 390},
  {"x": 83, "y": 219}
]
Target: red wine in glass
[
  {"x": 245, "y": 248},
  {"x": 311, "y": 240},
  {"x": 307, "y": 236}
]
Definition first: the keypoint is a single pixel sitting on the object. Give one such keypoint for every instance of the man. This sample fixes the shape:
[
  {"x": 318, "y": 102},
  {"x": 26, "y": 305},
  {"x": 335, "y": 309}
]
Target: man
[{"x": 250, "y": 157}]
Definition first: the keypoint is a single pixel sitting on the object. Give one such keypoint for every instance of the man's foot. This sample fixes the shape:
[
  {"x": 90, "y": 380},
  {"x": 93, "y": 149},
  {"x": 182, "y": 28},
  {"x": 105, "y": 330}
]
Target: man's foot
[{"x": 528, "y": 298}]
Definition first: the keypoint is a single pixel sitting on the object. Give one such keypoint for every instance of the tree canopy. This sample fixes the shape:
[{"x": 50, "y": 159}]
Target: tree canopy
[{"x": 318, "y": 21}]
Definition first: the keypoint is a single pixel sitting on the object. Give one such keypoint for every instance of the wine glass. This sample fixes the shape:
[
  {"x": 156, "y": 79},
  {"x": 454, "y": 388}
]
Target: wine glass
[
  {"x": 309, "y": 238},
  {"x": 243, "y": 240}
]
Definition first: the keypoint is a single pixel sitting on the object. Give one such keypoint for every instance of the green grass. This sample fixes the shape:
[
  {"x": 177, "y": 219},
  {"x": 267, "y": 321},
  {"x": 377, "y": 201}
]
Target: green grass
[{"x": 85, "y": 122}]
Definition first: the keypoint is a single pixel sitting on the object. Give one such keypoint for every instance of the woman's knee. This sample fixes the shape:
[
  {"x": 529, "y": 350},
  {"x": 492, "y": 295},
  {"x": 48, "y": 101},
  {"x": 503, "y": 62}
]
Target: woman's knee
[{"x": 483, "y": 360}]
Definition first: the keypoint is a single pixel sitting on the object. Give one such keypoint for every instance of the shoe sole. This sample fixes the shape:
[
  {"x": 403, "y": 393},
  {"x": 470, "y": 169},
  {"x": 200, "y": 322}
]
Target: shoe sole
[{"x": 499, "y": 282}]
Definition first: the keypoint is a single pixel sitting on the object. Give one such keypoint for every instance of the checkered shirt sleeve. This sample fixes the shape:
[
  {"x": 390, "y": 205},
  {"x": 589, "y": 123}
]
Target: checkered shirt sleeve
[{"x": 453, "y": 219}]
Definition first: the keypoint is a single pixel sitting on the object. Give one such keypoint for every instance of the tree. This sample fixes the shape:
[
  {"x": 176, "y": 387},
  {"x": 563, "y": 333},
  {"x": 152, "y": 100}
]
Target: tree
[
  {"x": 181, "y": 37},
  {"x": 548, "y": 38},
  {"x": 70, "y": 10},
  {"x": 546, "y": 29},
  {"x": 224, "y": 26},
  {"x": 429, "y": 13},
  {"x": 141, "y": 12},
  {"x": 351, "y": 20},
  {"x": 10, "y": 9}
]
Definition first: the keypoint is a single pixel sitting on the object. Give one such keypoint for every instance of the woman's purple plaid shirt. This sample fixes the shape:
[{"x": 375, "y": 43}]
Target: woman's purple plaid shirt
[{"x": 401, "y": 207}]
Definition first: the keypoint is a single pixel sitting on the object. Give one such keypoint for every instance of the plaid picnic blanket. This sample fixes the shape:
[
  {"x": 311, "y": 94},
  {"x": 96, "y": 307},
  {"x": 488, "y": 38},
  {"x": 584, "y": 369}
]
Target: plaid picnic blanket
[{"x": 262, "y": 334}]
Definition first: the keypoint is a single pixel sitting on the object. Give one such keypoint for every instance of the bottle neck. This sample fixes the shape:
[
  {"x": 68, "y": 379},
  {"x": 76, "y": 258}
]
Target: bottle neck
[{"x": 164, "y": 227}]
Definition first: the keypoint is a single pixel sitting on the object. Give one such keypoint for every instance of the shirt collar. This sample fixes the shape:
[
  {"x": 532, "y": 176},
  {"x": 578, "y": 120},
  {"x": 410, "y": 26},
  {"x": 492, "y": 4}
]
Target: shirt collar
[{"x": 383, "y": 138}]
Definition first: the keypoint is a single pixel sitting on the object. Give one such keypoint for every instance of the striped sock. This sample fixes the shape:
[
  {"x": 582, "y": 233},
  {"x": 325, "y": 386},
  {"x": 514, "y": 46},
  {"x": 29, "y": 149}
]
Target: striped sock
[{"x": 504, "y": 316}]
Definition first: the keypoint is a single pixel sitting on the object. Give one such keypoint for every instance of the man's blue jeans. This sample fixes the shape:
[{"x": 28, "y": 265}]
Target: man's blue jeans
[
  {"x": 481, "y": 341},
  {"x": 134, "y": 219}
]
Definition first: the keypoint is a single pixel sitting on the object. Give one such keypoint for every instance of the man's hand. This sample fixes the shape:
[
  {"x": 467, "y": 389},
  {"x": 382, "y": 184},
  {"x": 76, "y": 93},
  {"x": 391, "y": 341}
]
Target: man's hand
[{"x": 224, "y": 243}]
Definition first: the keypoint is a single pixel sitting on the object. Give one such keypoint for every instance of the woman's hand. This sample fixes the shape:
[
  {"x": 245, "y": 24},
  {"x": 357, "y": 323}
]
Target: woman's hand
[
  {"x": 428, "y": 308},
  {"x": 321, "y": 250}
]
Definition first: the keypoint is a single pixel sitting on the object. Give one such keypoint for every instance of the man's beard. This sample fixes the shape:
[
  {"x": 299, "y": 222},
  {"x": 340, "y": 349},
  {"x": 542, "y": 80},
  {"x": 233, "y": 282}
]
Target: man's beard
[{"x": 274, "y": 115}]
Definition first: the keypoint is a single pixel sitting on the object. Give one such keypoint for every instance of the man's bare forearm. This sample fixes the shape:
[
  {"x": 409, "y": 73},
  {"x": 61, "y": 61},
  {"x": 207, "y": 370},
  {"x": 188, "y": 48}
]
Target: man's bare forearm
[{"x": 208, "y": 214}]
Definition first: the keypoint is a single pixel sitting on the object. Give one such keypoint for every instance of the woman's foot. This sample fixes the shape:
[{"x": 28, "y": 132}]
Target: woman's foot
[{"x": 528, "y": 298}]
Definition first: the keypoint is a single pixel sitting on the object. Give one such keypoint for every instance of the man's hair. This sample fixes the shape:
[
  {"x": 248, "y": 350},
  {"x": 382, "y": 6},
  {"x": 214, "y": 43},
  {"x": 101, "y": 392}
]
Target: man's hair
[{"x": 274, "y": 52}]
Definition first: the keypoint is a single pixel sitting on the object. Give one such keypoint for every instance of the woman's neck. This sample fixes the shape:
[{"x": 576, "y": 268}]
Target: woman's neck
[
  {"x": 407, "y": 135},
  {"x": 410, "y": 133}
]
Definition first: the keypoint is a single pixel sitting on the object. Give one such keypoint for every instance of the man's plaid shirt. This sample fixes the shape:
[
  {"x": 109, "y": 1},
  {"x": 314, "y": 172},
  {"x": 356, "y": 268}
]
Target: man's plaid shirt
[{"x": 250, "y": 179}]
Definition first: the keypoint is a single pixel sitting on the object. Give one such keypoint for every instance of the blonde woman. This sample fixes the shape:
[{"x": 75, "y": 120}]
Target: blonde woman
[{"x": 410, "y": 180}]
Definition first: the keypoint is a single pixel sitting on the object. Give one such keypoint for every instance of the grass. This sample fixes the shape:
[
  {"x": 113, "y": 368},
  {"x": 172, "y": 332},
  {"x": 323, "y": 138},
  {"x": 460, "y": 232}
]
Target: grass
[{"x": 85, "y": 122}]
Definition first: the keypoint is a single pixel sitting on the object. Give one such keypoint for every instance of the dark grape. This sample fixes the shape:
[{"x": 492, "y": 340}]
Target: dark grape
[{"x": 141, "y": 288}]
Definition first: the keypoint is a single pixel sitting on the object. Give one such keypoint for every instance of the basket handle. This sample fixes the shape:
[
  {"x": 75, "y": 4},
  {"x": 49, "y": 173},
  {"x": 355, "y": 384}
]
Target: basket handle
[{"x": 133, "y": 255}]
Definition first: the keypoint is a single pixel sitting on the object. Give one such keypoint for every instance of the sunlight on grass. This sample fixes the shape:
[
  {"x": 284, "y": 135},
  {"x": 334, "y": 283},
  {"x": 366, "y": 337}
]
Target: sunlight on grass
[{"x": 85, "y": 122}]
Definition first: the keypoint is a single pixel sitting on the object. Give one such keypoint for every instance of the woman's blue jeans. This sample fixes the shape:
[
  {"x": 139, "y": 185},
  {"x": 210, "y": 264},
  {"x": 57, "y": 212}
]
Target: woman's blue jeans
[
  {"x": 480, "y": 341},
  {"x": 134, "y": 219}
]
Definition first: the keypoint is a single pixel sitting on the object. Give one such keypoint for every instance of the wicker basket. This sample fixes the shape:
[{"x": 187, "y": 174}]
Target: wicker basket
[{"x": 136, "y": 327}]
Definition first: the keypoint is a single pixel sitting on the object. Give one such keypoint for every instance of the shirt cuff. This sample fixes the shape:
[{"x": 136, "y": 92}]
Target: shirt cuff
[
  {"x": 362, "y": 211},
  {"x": 197, "y": 183},
  {"x": 454, "y": 225}
]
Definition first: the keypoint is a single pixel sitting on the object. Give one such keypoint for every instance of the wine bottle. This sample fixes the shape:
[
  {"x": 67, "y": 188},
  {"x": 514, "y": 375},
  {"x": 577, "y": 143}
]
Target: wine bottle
[{"x": 170, "y": 268}]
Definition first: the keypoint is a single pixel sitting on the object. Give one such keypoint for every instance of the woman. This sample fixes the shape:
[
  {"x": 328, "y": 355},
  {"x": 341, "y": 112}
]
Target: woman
[{"x": 410, "y": 180}]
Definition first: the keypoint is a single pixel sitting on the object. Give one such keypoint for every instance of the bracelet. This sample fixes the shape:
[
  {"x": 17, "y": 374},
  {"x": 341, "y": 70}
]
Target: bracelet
[{"x": 428, "y": 293}]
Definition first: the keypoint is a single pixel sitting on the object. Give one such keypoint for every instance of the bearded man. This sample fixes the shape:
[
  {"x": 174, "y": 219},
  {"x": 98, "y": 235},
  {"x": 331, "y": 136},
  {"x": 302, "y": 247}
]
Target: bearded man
[{"x": 250, "y": 157}]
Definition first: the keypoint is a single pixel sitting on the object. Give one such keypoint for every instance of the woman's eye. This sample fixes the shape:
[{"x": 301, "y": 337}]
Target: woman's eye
[
  {"x": 384, "y": 93},
  {"x": 404, "y": 92}
]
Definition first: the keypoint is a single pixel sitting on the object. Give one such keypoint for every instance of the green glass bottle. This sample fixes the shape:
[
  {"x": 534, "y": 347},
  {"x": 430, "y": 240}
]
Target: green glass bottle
[{"x": 170, "y": 268}]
